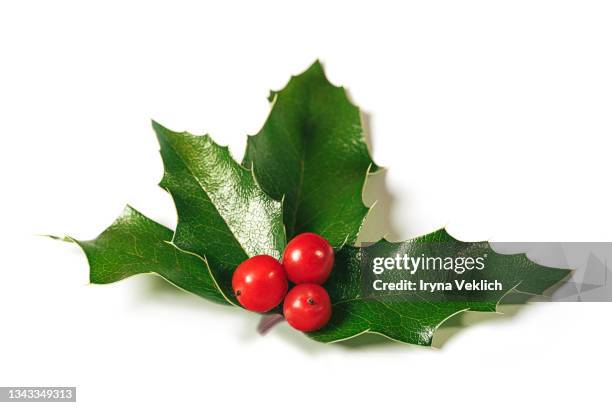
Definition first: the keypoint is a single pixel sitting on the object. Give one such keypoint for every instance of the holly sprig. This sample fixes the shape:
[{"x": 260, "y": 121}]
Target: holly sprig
[{"x": 304, "y": 171}]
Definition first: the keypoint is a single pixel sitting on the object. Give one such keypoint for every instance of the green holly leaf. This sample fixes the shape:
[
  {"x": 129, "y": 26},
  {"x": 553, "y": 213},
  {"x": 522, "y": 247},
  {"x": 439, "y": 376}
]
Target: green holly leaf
[
  {"x": 311, "y": 153},
  {"x": 413, "y": 317},
  {"x": 223, "y": 214},
  {"x": 135, "y": 244}
]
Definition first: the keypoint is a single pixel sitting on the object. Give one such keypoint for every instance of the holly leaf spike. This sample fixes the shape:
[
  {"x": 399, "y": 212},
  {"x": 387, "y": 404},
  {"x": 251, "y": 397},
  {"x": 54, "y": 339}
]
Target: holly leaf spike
[
  {"x": 135, "y": 244},
  {"x": 413, "y": 317},
  {"x": 223, "y": 214},
  {"x": 311, "y": 152}
]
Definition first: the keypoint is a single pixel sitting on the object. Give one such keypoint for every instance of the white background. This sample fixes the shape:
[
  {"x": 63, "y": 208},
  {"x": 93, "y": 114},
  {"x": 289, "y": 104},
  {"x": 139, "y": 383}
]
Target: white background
[{"x": 493, "y": 118}]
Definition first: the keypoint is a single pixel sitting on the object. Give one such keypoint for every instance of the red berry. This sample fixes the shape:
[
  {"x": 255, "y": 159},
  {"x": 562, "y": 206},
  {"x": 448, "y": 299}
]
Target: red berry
[
  {"x": 308, "y": 258},
  {"x": 260, "y": 283},
  {"x": 307, "y": 307}
]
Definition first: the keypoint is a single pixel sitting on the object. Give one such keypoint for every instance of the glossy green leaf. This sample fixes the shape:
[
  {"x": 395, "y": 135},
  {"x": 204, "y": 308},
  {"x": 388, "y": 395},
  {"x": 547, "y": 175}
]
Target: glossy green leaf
[
  {"x": 311, "y": 153},
  {"x": 135, "y": 244},
  {"x": 413, "y": 317},
  {"x": 223, "y": 214}
]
